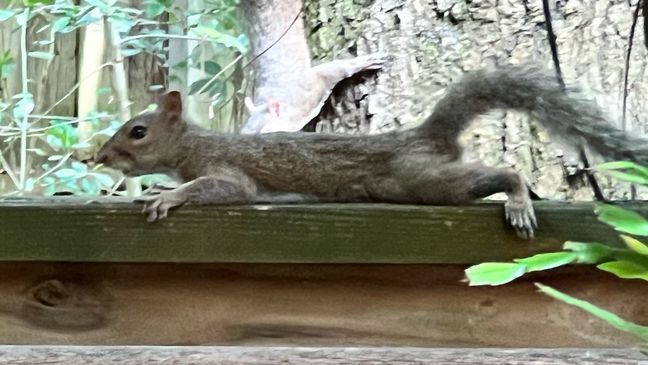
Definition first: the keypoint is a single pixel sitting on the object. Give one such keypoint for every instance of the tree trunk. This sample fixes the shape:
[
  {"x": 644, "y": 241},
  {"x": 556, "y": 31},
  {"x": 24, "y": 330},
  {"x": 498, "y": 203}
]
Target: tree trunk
[{"x": 288, "y": 91}]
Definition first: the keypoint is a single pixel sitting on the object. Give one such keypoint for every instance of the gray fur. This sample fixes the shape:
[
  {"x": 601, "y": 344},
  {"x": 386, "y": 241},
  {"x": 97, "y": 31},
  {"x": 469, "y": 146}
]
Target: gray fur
[
  {"x": 416, "y": 166},
  {"x": 529, "y": 88}
]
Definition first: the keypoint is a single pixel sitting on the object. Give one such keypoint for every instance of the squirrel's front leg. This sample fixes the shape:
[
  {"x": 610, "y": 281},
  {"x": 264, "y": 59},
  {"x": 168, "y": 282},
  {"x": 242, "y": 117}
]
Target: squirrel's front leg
[
  {"x": 331, "y": 73},
  {"x": 213, "y": 189}
]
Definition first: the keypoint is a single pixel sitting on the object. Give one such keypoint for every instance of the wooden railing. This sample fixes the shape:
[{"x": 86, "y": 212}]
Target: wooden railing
[{"x": 273, "y": 279}]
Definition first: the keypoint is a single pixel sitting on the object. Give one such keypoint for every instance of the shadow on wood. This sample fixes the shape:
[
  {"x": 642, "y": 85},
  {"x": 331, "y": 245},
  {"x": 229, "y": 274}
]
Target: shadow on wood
[{"x": 307, "y": 305}]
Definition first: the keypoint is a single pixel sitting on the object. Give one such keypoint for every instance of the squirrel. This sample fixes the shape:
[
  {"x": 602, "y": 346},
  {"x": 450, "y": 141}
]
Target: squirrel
[{"x": 420, "y": 165}]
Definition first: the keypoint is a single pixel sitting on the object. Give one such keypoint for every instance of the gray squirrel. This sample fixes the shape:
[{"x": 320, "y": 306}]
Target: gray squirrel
[{"x": 421, "y": 165}]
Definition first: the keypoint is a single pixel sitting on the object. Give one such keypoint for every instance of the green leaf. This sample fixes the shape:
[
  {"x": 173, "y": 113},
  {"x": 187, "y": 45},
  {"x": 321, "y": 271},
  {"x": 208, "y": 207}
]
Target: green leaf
[
  {"x": 625, "y": 269},
  {"x": 633, "y": 172},
  {"x": 589, "y": 252},
  {"x": 129, "y": 52},
  {"x": 21, "y": 18},
  {"x": 635, "y": 245},
  {"x": 99, "y": 4},
  {"x": 180, "y": 65},
  {"x": 66, "y": 134},
  {"x": 494, "y": 273},
  {"x": 23, "y": 107},
  {"x": 193, "y": 20},
  {"x": 225, "y": 39},
  {"x": 622, "y": 220},
  {"x": 65, "y": 173},
  {"x": 211, "y": 67},
  {"x": 197, "y": 85},
  {"x": 217, "y": 88},
  {"x": 72, "y": 185},
  {"x": 104, "y": 180},
  {"x": 620, "y": 165},
  {"x": 624, "y": 176},
  {"x": 29, "y": 184},
  {"x": 79, "y": 167},
  {"x": 609, "y": 317},
  {"x": 89, "y": 187},
  {"x": 41, "y": 55},
  {"x": 545, "y": 261},
  {"x": 49, "y": 180},
  {"x": 50, "y": 190},
  {"x": 32, "y": 3},
  {"x": 104, "y": 90},
  {"x": 7, "y": 65},
  {"x": 154, "y": 8},
  {"x": 6, "y": 14},
  {"x": 200, "y": 52},
  {"x": 60, "y": 24}
]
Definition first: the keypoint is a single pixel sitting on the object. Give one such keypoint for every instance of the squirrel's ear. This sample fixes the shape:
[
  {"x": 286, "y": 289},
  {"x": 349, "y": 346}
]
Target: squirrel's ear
[{"x": 171, "y": 102}]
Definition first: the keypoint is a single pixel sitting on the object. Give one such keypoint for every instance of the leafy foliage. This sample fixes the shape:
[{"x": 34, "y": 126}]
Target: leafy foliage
[
  {"x": 630, "y": 262},
  {"x": 39, "y": 151}
]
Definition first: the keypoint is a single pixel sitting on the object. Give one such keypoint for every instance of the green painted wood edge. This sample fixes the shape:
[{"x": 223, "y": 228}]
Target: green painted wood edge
[{"x": 109, "y": 231}]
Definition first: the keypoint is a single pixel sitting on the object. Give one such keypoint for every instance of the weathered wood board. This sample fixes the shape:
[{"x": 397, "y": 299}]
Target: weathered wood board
[
  {"x": 135, "y": 355},
  {"x": 304, "y": 305},
  {"x": 300, "y": 275},
  {"x": 69, "y": 230}
]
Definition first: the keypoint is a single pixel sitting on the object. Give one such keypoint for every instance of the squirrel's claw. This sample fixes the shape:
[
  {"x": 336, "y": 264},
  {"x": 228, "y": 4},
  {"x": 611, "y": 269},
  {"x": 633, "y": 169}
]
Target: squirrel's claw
[
  {"x": 520, "y": 215},
  {"x": 157, "y": 207}
]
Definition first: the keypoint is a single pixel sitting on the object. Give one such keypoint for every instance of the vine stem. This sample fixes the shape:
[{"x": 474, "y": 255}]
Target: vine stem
[
  {"x": 120, "y": 80},
  {"x": 230, "y": 65},
  {"x": 24, "y": 126},
  {"x": 163, "y": 36}
]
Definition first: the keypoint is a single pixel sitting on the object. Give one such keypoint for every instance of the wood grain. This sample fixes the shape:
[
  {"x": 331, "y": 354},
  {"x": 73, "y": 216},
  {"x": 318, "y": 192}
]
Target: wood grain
[
  {"x": 135, "y": 355},
  {"x": 67, "y": 230},
  {"x": 304, "y": 305}
]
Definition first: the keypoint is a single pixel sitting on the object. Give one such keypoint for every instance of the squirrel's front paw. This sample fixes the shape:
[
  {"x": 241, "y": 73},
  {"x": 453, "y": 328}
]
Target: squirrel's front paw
[
  {"x": 373, "y": 61},
  {"x": 157, "y": 206},
  {"x": 520, "y": 215}
]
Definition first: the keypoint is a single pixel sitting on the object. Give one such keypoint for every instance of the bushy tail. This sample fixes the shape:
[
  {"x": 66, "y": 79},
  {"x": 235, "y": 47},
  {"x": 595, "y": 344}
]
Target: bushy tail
[{"x": 536, "y": 91}]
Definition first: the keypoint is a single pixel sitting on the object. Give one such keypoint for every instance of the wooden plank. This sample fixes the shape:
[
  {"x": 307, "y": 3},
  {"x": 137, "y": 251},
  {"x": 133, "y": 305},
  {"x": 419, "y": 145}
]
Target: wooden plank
[
  {"x": 65, "y": 230},
  {"x": 176, "y": 355},
  {"x": 304, "y": 305}
]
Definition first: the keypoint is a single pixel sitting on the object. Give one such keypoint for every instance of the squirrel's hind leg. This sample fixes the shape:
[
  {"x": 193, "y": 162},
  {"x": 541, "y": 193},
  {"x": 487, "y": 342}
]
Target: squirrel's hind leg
[{"x": 458, "y": 183}]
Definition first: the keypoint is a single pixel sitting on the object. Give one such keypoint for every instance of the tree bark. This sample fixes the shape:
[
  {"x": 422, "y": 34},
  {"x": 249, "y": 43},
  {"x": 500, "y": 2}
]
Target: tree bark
[{"x": 431, "y": 44}]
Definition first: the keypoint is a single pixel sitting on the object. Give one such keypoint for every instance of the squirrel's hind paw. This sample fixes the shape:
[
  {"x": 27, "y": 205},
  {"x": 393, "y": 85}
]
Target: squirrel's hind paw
[{"x": 520, "y": 215}]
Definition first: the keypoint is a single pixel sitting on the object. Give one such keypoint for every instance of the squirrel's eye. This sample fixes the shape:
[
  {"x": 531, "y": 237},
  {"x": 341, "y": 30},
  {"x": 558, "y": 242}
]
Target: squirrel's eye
[{"x": 138, "y": 132}]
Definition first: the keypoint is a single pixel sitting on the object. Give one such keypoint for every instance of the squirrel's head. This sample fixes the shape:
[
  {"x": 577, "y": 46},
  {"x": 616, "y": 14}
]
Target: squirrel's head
[{"x": 147, "y": 143}]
